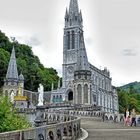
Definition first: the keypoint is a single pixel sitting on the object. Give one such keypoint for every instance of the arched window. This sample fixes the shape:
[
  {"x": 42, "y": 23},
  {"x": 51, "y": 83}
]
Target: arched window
[
  {"x": 70, "y": 96},
  {"x": 101, "y": 99},
  {"x": 59, "y": 137},
  {"x": 73, "y": 40},
  {"x": 51, "y": 135},
  {"x": 68, "y": 40},
  {"x": 79, "y": 98},
  {"x": 86, "y": 93},
  {"x": 94, "y": 98}
]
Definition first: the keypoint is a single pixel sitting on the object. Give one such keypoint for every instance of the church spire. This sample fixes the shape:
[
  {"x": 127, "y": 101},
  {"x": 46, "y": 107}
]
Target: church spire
[
  {"x": 73, "y": 8},
  {"x": 73, "y": 16},
  {"x": 66, "y": 14},
  {"x": 12, "y": 73}
]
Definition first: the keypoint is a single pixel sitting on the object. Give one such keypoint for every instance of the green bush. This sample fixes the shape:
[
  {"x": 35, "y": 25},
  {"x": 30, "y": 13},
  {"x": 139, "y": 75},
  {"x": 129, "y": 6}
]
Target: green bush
[{"x": 9, "y": 120}]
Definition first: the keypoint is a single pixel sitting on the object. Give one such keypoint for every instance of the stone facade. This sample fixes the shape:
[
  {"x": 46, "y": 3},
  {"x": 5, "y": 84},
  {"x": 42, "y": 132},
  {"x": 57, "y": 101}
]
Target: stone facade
[
  {"x": 60, "y": 127},
  {"x": 82, "y": 82}
]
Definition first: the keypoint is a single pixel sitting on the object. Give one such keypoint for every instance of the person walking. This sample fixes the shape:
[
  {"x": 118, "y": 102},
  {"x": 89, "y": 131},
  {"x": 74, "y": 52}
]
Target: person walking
[
  {"x": 127, "y": 117},
  {"x": 133, "y": 116}
]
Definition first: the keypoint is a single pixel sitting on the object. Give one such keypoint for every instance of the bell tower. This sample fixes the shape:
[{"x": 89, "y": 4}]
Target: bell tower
[{"x": 73, "y": 31}]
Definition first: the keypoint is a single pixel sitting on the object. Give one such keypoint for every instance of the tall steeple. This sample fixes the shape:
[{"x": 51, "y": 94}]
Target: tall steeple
[
  {"x": 73, "y": 45},
  {"x": 12, "y": 73},
  {"x": 73, "y": 8},
  {"x": 73, "y": 16}
]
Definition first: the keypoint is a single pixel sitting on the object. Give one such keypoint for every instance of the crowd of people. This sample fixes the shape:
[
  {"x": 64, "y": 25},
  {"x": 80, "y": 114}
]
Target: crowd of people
[{"x": 130, "y": 117}]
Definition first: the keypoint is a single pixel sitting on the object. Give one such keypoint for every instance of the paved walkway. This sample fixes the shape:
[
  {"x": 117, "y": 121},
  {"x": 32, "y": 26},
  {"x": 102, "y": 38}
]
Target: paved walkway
[{"x": 98, "y": 130}]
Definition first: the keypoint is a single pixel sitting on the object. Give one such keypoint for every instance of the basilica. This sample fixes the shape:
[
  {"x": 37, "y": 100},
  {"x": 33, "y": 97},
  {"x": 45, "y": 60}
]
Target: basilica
[{"x": 82, "y": 82}]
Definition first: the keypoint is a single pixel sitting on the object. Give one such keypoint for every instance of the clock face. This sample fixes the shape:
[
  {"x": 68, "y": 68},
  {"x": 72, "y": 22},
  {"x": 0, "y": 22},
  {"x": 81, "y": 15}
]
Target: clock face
[{"x": 70, "y": 69}]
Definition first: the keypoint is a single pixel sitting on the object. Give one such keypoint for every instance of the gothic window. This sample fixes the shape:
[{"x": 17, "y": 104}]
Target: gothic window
[
  {"x": 70, "y": 96},
  {"x": 102, "y": 83},
  {"x": 59, "y": 137},
  {"x": 94, "y": 98},
  {"x": 73, "y": 40},
  {"x": 68, "y": 40},
  {"x": 96, "y": 80},
  {"x": 70, "y": 131},
  {"x": 65, "y": 132},
  {"x": 99, "y": 82},
  {"x": 79, "y": 98},
  {"x": 70, "y": 22},
  {"x": 101, "y": 99},
  {"x": 51, "y": 135},
  {"x": 86, "y": 93}
]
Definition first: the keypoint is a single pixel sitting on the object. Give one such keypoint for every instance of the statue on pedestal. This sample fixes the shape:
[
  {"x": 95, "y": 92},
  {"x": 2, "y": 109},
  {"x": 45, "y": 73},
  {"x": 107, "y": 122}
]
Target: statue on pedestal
[{"x": 40, "y": 97}]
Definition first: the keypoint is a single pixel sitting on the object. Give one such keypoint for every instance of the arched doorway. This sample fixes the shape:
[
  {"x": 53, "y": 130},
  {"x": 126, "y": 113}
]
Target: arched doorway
[{"x": 70, "y": 96}]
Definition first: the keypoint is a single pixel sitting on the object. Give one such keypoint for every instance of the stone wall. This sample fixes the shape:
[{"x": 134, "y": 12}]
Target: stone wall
[{"x": 61, "y": 127}]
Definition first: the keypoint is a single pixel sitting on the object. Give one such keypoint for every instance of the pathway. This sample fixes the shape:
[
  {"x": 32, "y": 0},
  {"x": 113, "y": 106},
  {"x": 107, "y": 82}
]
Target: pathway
[{"x": 98, "y": 130}]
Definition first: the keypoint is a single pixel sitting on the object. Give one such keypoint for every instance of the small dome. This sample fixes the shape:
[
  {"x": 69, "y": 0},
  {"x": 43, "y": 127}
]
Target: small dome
[{"x": 21, "y": 77}]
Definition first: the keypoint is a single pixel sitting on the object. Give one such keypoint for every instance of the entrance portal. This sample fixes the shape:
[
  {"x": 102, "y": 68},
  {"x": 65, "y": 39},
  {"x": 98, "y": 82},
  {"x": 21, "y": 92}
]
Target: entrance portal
[{"x": 70, "y": 96}]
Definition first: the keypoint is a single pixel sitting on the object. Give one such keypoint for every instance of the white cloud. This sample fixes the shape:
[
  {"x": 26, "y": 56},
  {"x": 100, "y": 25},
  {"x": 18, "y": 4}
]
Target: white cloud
[
  {"x": 129, "y": 52},
  {"x": 111, "y": 30}
]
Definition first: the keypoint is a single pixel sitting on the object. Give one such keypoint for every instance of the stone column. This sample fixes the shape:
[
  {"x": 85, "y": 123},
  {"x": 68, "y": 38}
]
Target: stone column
[
  {"x": 82, "y": 94},
  {"x": 76, "y": 95},
  {"x": 102, "y": 99},
  {"x": 89, "y": 94},
  {"x": 40, "y": 116},
  {"x": 111, "y": 103},
  {"x": 98, "y": 98},
  {"x": 105, "y": 100}
]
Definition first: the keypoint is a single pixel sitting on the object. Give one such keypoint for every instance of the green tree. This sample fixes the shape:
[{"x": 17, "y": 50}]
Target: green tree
[
  {"x": 27, "y": 63},
  {"x": 123, "y": 100},
  {"x": 4, "y": 57},
  {"x": 9, "y": 120},
  {"x": 128, "y": 99},
  {"x": 132, "y": 90}
]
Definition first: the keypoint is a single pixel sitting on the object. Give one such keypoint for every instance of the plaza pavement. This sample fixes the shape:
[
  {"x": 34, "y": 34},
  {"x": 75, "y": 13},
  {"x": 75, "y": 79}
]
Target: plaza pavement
[{"x": 98, "y": 130}]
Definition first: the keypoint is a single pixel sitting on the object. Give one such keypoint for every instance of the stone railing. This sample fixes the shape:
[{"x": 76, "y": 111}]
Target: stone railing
[{"x": 61, "y": 127}]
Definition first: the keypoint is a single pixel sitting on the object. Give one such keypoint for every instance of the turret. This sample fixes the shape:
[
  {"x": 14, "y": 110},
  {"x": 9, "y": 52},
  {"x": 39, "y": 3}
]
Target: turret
[{"x": 21, "y": 83}]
